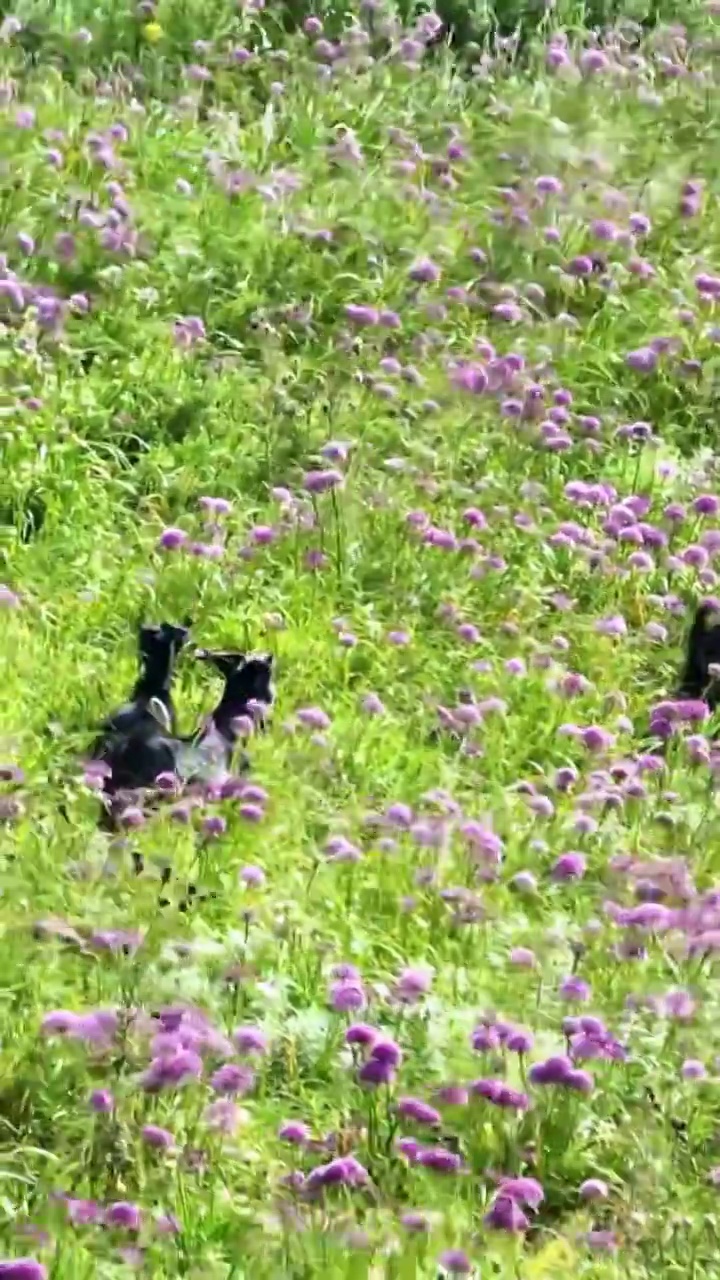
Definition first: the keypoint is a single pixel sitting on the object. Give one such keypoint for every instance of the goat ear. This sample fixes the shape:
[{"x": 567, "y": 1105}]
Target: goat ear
[
  {"x": 234, "y": 662},
  {"x": 226, "y": 661},
  {"x": 159, "y": 712}
]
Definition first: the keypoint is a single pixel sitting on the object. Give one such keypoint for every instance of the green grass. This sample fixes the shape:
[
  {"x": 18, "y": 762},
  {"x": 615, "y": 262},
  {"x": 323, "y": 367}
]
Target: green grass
[{"x": 112, "y": 431}]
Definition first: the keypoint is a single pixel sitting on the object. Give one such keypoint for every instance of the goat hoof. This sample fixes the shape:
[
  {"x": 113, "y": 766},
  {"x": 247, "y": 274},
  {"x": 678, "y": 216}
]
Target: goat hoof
[
  {"x": 138, "y": 862},
  {"x": 163, "y": 902}
]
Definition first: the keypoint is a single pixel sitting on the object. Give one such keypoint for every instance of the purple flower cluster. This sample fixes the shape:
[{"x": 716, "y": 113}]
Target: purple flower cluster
[
  {"x": 500, "y": 1094},
  {"x": 560, "y": 1070},
  {"x": 344, "y": 1171}
]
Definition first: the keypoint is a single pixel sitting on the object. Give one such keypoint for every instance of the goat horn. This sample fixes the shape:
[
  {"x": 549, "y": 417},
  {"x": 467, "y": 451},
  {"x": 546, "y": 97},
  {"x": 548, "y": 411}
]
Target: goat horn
[{"x": 159, "y": 712}]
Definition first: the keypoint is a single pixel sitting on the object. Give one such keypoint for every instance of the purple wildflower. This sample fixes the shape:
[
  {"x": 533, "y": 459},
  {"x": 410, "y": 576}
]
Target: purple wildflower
[
  {"x": 415, "y": 1221},
  {"x": 102, "y": 1101},
  {"x": 160, "y": 1139},
  {"x": 386, "y": 1050},
  {"x": 223, "y": 1115},
  {"x": 424, "y": 271},
  {"x": 250, "y": 1040},
  {"x": 294, "y": 1132},
  {"x": 22, "y": 1269},
  {"x": 172, "y": 1070},
  {"x": 362, "y": 1034},
  {"x": 569, "y": 866},
  {"x": 411, "y": 985},
  {"x": 347, "y": 996},
  {"x": 82, "y": 1213},
  {"x": 593, "y": 1189},
  {"x": 439, "y": 1159},
  {"x": 322, "y": 481},
  {"x": 693, "y": 1069},
  {"x": 551, "y": 1071},
  {"x": 344, "y": 1171},
  {"x": 376, "y": 1072},
  {"x": 574, "y": 988},
  {"x": 500, "y": 1094},
  {"x": 455, "y": 1262},
  {"x": 123, "y": 1214},
  {"x": 523, "y": 1190},
  {"x": 505, "y": 1214},
  {"x": 232, "y": 1078},
  {"x": 419, "y": 1111}
]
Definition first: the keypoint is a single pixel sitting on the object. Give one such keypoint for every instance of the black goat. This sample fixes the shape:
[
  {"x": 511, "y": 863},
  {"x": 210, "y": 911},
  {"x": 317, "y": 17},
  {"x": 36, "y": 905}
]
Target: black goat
[
  {"x": 248, "y": 692},
  {"x": 158, "y": 648},
  {"x": 702, "y": 652},
  {"x": 137, "y": 741}
]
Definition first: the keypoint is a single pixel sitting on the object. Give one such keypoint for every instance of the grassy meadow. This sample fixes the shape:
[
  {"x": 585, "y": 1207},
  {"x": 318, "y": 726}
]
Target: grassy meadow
[{"x": 402, "y": 365}]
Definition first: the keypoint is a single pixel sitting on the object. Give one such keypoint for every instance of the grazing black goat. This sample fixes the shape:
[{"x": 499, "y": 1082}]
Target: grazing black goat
[
  {"x": 137, "y": 741},
  {"x": 248, "y": 692},
  {"x": 702, "y": 652},
  {"x": 697, "y": 694}
]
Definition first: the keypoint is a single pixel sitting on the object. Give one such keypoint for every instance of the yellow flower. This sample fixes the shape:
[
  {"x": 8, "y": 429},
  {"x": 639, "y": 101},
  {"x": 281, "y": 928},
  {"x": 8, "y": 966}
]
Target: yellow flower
[{"x": 153, "y": 32}]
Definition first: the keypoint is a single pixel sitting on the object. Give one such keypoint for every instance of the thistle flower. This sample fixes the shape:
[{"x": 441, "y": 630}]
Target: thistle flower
[
  {"x": 523, "y": 1190},
  {"x": 593, "y": 1189},
  {"x": 294, "y": 1132},
  {"x": 552, "y": 1071},
  {"x": 250, "y": 1040},
  {"x": 424, "y": 271},
  {"x": 83, "y": 1213},
  {"x": 347, "y": 996},
  {"x": 569, "y": 866},
  {"x": 124, "y": 1215},
  {"x": 419, "y": 1111},
  {"x": 455, "y": 1262},
  {"x": 386, "y": 1050},
  {"x": 252, "y": 876},
  {"x": 157, "y": 1138},
  {"x": 344, "y": 1171},
  {"x": 362, "y": 1034},
  {"x": 93, "y": 1028},
  {"x": 439, "y": 1160},
  {"x": 188, "y": 331},
  {"x": 500, "y": 1094},
  {"x": 102, "y": 1101},
  {"x": 232, "y": 1079},
  {"x": 372, "y": 704},
  {"x": 412, "y": 985},
  {"x": 313, "y": 718},
  {"x": 171, "y": 1071},
  {"x": 223, "y": 1115},
  {"x": 410, "y": 1148},
  {"x": 452, "y": 1095},
  {"x": 519, "y": 1041},
  {"x": 22, "y": 1269},
  {"x": 322, "y": 481},
  {"x": 505, "y": 1214},
  {"x": 693, "y": 1069},
  {"x": 603, "y": 1240},
  {"x": 415, "y": 1221},
  {"x": 574, "y": 988}
]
